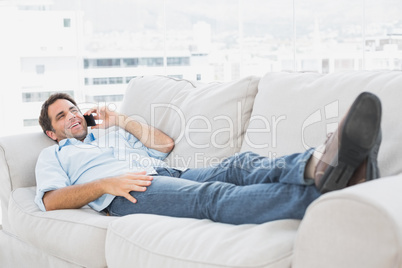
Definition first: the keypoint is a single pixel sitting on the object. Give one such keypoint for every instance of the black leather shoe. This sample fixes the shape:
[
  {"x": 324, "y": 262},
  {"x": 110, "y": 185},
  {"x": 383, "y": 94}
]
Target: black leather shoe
[{"x": 350, "y": 154}]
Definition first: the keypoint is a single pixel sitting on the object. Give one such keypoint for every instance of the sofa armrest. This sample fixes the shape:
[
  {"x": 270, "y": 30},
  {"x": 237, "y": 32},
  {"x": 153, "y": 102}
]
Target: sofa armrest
[
  {"x": 360, "y": 226},
  {"x": 18, "y": 155}
]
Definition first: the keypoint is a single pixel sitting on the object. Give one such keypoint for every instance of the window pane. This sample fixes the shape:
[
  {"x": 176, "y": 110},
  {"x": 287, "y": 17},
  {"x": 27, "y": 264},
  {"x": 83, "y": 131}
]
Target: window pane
[
  {"x": 267, "y": 36},
  {"x": 383, "y": 45},
  {"x": 207, "y": 32},
  {"x": 40, "y": 69},
  {"x": 120, "y": 45},
  {"x": 329, "y": 35},
  {"x": 96, "y": 47},
  {"x": 130, "y": 62},
  {"x": 67, "y": 23}
]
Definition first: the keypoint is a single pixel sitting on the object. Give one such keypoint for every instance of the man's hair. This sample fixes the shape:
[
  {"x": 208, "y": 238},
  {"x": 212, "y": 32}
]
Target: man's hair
[{"x": 44, "y": 119}]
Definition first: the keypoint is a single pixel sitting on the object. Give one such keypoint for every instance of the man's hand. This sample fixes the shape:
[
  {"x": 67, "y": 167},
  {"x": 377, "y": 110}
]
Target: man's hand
[
  {"x": 79, "y": 195},
  {"x": 124, "y": 184},
  {"x": 151, "y": 137},
  {"x": 109, "y": 118}
]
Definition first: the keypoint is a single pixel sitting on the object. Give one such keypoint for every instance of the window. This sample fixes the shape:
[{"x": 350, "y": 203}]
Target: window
[
  {"x": 105, "y": 98},
  {"x": 151, "y": 62},
  {"x": 100, "y": 81},
  {"x": 115, "y": 80},
  {"x": 40, "y": 69},
  {"x": 67, "y": 23},
  {"x": 41, "y": 96},
  {"x": 178, "y": 61},
  {"x": 106, "y": 80},
  {"x": 178, "y": 76},
  {"x": 128, "y": 79},
  {"x": 131, "y": 62},
  {"x": 87, "y": 64},
  {"x": 107, "y": 62},
  {"x": 344, "y": 64}
]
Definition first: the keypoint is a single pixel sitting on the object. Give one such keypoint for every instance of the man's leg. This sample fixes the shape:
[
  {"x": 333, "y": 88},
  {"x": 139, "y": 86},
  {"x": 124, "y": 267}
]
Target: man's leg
[
  {"x": 219, "y": 201},
  {"x": 250, "y": 168}
]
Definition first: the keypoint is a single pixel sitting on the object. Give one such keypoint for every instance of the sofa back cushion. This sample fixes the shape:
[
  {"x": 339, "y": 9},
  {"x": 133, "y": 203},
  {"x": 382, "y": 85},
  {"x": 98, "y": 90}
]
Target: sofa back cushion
[
  {"x": 207, "y": 121},
  {"x": 295, "y": 111}
]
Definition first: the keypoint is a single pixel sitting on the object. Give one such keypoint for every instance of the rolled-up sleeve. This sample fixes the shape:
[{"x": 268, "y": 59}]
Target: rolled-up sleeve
[
  {"x": 137, "y": 144},
  {"x": 49, "y": 174},
  {"x": 156, "y": 154}
]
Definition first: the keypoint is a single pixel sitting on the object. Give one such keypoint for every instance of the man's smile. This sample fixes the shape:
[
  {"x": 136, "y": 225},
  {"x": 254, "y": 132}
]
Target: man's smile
[{"x": 75, "y": 125}]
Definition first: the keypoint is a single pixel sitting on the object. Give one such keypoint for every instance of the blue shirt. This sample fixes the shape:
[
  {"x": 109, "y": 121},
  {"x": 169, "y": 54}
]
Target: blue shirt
[{"x": 74, "y": 162}]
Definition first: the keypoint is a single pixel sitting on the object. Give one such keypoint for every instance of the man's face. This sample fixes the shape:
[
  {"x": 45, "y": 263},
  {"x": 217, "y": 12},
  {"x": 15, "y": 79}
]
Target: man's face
[{"x": 67, "y": 121}]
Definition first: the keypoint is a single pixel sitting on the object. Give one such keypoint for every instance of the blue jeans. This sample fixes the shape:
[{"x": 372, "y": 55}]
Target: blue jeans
[{"x": 244, "y": 188}]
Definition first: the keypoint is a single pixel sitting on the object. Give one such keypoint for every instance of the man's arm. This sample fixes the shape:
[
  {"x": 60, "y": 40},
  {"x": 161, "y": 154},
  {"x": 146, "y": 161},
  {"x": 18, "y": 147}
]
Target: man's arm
[
  {"x": 151, "y": 137},
  {"x": 77, "y": 196}
]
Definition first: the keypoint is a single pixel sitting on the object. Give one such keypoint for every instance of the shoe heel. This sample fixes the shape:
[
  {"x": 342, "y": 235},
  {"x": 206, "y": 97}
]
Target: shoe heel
[{"x": 337, "y": 178}]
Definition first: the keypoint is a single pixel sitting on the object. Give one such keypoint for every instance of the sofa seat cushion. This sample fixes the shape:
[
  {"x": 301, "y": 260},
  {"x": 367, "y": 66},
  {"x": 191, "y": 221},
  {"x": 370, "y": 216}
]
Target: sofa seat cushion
[
  {"x": 207, "y": 121},
  {"x": 158, "y": 241},
  {"x": 75, "y": 235}
]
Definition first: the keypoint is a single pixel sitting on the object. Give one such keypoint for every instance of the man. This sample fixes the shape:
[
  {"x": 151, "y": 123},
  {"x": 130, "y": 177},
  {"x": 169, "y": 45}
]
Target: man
[{"x": 244, "y": 188}]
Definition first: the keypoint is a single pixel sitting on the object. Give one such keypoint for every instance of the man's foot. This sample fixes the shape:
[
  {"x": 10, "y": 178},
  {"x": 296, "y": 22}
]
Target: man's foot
[{"x": 351, "y": 152}]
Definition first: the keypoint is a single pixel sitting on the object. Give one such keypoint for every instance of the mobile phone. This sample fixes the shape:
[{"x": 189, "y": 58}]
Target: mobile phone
[{"x": 90, "y": 120}]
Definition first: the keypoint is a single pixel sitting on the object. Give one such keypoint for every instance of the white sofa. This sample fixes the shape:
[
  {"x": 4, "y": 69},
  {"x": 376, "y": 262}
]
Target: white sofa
[{"x": 277, "y": 114}]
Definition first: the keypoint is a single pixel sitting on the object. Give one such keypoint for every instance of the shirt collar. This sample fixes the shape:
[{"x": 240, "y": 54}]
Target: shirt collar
[{"x": 88, "y": 139}]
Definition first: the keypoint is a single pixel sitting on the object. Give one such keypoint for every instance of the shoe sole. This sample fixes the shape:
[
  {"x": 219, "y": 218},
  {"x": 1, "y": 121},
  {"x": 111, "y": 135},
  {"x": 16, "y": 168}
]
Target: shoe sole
[
  {"x": 358, "y": 137},
  {"x": 373, "y": 171}
]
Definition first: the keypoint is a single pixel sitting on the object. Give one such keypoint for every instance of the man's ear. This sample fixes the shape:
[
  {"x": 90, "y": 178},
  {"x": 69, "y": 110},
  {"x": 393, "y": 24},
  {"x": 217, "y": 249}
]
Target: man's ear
[{"x": 51, "y": 135}]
